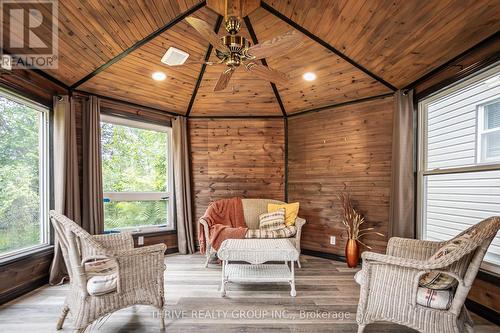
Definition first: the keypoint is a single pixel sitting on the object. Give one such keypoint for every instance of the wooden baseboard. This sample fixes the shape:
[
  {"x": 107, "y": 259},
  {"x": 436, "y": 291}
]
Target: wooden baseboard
[
  {"x": 325, "y": 255},
  {"x": 26, "y": 288},
  {"x": 171, "y": 250},
  {"x": 483, "y": 311}
]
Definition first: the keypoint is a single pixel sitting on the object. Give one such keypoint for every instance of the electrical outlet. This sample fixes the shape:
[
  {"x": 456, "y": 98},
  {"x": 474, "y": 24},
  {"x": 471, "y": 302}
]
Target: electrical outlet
[
  {"x": 333, "y": 240},
  {"x": 140, "y": 240}
]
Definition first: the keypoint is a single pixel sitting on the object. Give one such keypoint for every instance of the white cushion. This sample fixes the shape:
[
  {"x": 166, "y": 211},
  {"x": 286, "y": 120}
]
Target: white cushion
[
  {"x": 102, "y": 284},
  {"x": 102, "y": 276}
]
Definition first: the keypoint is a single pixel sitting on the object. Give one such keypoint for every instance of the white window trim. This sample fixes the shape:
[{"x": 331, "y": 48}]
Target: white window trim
[
  {"x": 146, "y": 196},
  {"x": 44, "y": 186},
  {"x": 423, "y": 171},
  {"x": 480, "y": 159}
]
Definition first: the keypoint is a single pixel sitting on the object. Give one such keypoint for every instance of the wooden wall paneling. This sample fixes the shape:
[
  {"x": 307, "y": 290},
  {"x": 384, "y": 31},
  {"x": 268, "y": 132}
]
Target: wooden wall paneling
[
  {"x": 245, "y": 95},
  {"x": 19, "y": 277},
  {"x": 399, "y": 41},
  {"x": 235, "y": 157},
  {"x": 31, "y": 85},
  {"x": 337, "y": 80},
  {"x": 169, "y": 238},
  {"x": 93, "y": 32},
  {"x": 130, "y": 78},
  {"x": 349, "y": 147}
]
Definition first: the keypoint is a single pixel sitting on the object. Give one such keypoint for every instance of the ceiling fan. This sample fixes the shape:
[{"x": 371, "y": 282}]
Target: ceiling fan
[{"x": 234, "y": 50}]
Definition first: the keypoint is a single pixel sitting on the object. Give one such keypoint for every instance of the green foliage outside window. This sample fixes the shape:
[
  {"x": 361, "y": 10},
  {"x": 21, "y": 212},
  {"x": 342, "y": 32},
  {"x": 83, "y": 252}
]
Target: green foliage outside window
[
  {"x": 134, "y": 160},
  {"x": 19, "y": 176}
]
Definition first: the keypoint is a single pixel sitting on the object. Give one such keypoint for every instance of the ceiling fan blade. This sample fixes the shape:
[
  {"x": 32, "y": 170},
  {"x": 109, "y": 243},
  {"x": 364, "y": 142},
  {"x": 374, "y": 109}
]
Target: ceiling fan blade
[
  {"x": 278, "y": 45},
  {"x": 224, "y": 79},
  {"x": 207, "y": 32},
  {"x": 267, "y": 73}
]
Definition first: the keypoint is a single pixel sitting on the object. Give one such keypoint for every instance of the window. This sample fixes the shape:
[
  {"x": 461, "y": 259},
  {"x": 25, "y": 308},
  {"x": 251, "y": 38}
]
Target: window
[
  {"x": 459, "y": 160},
  {"x": 23, "y": 175},
  {"x": 489, "y": 132},
  {"x": 136, "y": 169}
]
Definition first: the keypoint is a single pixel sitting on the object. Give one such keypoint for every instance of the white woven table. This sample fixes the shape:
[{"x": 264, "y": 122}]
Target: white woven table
[{"x": 256, "y": 252}]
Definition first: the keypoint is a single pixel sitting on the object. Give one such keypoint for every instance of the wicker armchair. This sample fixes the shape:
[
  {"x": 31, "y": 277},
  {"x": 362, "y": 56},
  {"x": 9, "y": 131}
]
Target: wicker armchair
[
  {"x": 140, "y": 273},
  {"x": 389, "y": 282},
  {"x": 252, "y": 208}
]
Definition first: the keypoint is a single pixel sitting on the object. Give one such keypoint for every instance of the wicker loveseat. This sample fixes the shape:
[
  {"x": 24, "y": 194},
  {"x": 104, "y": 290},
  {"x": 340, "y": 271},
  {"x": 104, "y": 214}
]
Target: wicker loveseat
[
  {"x": 389, "y": 282},
  {"x": 252, "y": 208}
]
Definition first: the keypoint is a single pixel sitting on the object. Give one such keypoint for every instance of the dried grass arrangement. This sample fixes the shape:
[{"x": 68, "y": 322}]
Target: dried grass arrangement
[{"x": 352, "y": 220}]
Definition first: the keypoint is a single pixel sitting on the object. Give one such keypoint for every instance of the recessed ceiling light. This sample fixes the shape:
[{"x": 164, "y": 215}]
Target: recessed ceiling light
[
  {"x": 159, "y": 76},
  {"x": 309, "y": 76}
]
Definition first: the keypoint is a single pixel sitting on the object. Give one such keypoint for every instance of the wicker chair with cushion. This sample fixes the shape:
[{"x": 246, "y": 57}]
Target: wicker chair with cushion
[
  {"x": 390, "y": 282},
  {"x": 252, "y": 208},
  {"x": 107, "y": 273}
]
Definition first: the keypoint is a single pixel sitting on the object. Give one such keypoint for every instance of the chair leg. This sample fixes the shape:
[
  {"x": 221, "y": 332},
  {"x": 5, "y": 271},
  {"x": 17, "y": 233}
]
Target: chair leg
[
  {"x": 62, "y": 317},
  {"x": 361, "y": 328},
  {"x": 162, "y": 318},
  {"x": 208, "y": 259},
  {"x": 298, "y": 263}
]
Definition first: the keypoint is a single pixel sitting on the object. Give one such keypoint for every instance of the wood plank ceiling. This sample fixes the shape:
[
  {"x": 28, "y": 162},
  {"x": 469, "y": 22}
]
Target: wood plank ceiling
[{"x": 362, "y": 48}]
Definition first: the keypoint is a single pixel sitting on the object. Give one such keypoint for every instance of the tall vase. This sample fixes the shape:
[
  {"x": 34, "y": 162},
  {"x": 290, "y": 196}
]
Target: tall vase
[{"x": 352, "y": 253}]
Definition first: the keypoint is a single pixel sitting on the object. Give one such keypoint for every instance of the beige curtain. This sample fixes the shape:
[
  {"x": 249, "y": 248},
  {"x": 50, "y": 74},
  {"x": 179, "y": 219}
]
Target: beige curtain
[
  {"x": 182, "y": 186},
  {"x": 66, "y": 180},
  {"x": 92, "y": 201},
  {"x": 401, "y": 219}
]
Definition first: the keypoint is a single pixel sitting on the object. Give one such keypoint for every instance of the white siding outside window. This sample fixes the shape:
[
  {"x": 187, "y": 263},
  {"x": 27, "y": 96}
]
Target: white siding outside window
[{"x": 459, "y": 160}]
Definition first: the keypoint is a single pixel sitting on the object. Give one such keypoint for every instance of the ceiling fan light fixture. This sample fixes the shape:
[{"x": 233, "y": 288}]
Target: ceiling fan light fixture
[
  {"x": 309, "y": 76},
  {"x": 159, "y": 76}
]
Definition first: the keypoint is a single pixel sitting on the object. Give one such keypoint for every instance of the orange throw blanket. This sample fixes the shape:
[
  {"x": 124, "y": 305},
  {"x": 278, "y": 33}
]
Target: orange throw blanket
[{"x": 225, "y": 221}]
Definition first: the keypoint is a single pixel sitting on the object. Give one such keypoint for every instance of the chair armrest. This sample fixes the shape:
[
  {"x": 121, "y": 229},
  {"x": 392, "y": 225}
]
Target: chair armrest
[
  {"x": 299, "y": 223},
  {"x": 205, "y": 230},
  {"x": 412, "y": 248},
  {"x": 140, "y": 267},
  {"x": 423, "y": 265},
  {"x": 115, "y": 242}
]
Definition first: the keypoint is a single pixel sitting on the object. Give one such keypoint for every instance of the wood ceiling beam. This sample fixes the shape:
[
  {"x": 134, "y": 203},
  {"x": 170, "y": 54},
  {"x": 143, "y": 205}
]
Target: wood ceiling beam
[
  {"x": 264, "y": 62},
  {"x": 218, "y": 23},
  {"x": 140, "y": 43},
  {"x": 326, "y": 45},
  {"x": 331, "y": 106}
]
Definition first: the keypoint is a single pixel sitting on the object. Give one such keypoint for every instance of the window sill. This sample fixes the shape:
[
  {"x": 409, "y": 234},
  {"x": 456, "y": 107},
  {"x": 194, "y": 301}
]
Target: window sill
[
  {"x": 29, "y": 254},
  {"x": 154, "y": 232}
]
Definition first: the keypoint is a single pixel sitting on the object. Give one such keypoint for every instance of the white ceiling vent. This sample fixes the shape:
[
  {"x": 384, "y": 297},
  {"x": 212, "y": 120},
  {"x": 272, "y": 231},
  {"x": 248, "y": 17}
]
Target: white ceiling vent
[{"x": 174, "y": 57}]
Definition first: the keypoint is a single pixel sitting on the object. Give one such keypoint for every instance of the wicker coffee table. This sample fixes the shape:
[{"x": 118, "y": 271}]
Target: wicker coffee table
[{"x": 257, "y": 252}]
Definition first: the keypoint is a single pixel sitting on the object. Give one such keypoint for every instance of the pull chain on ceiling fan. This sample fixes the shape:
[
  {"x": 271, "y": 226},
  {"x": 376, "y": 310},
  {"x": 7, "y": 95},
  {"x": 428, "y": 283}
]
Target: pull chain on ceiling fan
[{"x": 234, "y": 50}]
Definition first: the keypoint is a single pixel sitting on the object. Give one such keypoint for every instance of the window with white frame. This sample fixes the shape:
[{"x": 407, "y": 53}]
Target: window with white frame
[
  {"x": 459, "y": 160},
  {"x": 24, "y": 188},
  {"x": 489, "y": 132},
  {"x": 137, "y": 175}
]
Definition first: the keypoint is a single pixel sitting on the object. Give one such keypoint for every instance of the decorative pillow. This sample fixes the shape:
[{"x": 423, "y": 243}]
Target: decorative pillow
[
  {"x": 436, "y": 299},
  {"x": 102, "y": 284},
  {"x": 442, "y": 281},
  {"x": 272, "y": 221},
  {"x": 291, "y": 211},
  {"x": 285, "y": 232},
  {"x": 103, "y": 276}
]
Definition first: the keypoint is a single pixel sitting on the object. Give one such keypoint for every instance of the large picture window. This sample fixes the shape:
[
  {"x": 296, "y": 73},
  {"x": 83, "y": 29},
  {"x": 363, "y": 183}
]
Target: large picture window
[
  {"x": 459, "y": 160},
  {"x": 24, "y": 190},
  {"x": 137, "y": 177}
]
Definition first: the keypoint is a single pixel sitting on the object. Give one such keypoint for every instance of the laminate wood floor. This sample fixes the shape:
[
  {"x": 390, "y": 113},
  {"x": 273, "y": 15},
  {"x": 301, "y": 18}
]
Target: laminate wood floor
[{"x": 326, "y": 301}]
